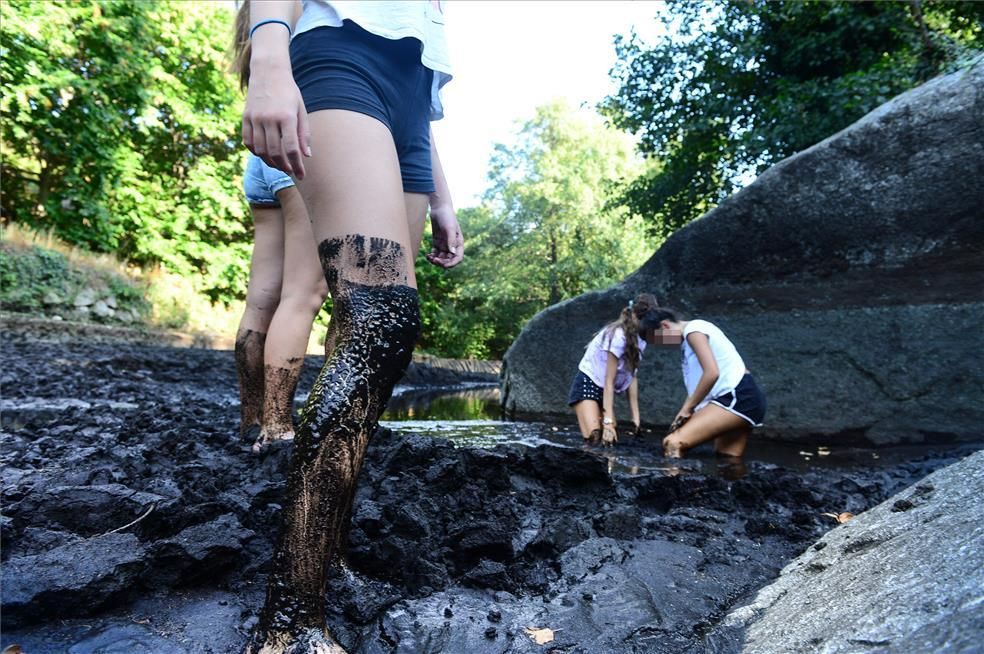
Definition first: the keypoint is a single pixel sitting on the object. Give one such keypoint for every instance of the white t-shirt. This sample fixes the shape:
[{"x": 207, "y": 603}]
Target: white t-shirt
[
  {"x": 419, "y": 19},
  {"x": 731, "y": 367},
  {"x": 594, "y": 363}
]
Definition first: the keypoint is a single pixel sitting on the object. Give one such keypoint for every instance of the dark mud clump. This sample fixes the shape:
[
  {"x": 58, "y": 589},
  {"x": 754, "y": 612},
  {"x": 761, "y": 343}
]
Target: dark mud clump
[{"x": 135, "y": 519}]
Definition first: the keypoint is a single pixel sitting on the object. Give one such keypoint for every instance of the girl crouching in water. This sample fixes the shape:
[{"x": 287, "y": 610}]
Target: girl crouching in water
[
  {"x": 609, "y": 366},
  {"x": 723, "y": 401}
]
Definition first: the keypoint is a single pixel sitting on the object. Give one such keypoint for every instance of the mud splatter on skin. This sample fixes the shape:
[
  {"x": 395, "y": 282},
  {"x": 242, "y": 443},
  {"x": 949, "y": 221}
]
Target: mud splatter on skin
[
  {"x": 249, "y": 368},
  {"x": 280, "y": 385},
  {"x": 376, "y": 322}
]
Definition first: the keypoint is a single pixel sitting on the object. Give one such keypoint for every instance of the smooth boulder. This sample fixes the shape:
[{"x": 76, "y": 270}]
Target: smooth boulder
[
  {"x": 905, "y": 576},
  {"x": 850, "y": 276}
]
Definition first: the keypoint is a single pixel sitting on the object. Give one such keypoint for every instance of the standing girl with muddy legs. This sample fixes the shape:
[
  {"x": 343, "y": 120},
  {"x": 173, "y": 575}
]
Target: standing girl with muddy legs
[
  {"x": 286, "y": 290},
  {"x": 608, "y": 367},
  {"x": 723, "y": 400},
  {"x": 286, "y": 286},
  {"x": 358, "y": 143}
]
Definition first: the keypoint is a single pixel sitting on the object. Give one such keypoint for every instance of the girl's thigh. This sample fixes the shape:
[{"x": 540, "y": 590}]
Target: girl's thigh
[
  {"x": 265, "y": 268},
  {"x": 302, "y": 271},
  {"x": 588, "y": 416},
  {"x": 352, "y": 185},
  {"x": 708, "y": 423}
]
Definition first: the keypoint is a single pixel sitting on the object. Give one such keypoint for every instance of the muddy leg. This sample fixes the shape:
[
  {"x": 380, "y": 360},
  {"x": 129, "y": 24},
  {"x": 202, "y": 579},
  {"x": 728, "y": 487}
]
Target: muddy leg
[
  {"x": 262, "y": 297},
  {"x": 377, "y": 321},
  {"x": 279, "y": 386},
  {"x": 249, "y": 369}
]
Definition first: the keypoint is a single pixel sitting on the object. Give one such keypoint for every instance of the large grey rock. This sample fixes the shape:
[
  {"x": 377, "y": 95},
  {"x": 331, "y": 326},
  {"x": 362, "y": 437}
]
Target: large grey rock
[
  {"x": 79, "y": 577},
  {"x": 850, "y": 276},
  {"x": 86, "y": 510},
  {"x": 904, "y": 577}
]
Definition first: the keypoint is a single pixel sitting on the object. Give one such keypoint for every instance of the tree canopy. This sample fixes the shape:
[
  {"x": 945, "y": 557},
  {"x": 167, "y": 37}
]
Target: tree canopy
[
  {"x": 119, "y": 124},
  {"x": 546, "y": 231},
  {"x": 736, "y": 85}
]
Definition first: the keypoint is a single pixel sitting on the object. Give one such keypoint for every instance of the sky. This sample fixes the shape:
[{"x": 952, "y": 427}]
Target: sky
[{"x": 510, "y": 56}]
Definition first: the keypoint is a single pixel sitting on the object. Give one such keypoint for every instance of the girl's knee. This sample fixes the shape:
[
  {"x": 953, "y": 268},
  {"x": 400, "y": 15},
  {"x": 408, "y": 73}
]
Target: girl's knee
[
  {"x": 263, "y": 300},
  {"x": 673, "y": 446},
  {"x": 305, "y": 302}
]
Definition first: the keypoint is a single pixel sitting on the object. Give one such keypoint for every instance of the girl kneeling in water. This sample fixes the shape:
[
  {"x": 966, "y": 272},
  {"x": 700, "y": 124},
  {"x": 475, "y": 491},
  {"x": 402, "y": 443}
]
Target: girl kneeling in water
[
  {"x": 609, "y": 366},
  {"x": 723, "y": 401}
]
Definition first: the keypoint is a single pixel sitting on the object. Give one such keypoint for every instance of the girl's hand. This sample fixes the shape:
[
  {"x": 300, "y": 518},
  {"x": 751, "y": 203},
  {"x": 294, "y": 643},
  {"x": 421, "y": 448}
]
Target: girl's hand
[
  {"x": 609, "y": 436},
  {"x": 448, "y": 243},
  {"x": 275, "y": 123},
  {"x": 680, "y": 420}
]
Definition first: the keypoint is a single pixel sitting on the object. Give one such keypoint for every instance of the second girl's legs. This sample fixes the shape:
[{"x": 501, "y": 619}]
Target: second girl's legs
[
  {"x": 302, "y": 295},
  {"x": 262, "y": 297},
  {"x": 707, "y": 423},
  {"x": 354, "y": 193},
  {"x": 588, "y": 414}
]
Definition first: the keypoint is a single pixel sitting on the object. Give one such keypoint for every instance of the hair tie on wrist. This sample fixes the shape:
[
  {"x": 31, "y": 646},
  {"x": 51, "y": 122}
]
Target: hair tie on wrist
[{"x": 260, "y": 24}]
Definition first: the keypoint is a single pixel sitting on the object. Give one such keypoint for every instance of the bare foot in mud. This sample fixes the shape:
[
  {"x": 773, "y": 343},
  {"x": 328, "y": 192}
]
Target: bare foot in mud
[
  {"x": 249, "y": 431},
  {"x": 671, "y": 449},
  {"x": 269, "y": 437},
  {"x": 594, "y": 438},
  {"x": 307, "y": 641}
]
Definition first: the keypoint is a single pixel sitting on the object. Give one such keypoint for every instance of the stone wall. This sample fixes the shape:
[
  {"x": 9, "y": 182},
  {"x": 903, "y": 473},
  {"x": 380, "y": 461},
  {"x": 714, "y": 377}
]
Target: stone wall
[{"x": 850, "y": 276}]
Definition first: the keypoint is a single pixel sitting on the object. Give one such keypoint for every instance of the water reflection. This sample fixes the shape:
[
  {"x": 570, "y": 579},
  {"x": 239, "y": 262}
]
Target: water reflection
[
  {"x": 481, "y": 403},
  {"x": 471, "y": 417}
]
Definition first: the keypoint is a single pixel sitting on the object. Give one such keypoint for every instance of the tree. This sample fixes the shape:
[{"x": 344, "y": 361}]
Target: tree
[
  {"x": 736, "y": 85},
  {"x": 546, "y": 231},
  {"x": 119, "y": 123}
]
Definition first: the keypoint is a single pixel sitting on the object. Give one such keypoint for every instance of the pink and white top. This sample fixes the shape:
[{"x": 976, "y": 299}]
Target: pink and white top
[{"x": 594, "y": 363}]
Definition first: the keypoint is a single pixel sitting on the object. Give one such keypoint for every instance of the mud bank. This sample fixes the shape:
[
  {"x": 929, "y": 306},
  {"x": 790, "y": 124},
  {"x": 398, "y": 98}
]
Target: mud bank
[{"x": 135, "y": 521}]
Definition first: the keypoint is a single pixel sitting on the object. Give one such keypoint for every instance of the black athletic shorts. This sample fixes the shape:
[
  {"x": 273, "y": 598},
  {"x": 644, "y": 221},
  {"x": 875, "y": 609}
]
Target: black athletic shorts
[
  {"x": 582, "y": 388},
  {"x": 747, "y": 401},
  {"x": 349, "y": 68}
]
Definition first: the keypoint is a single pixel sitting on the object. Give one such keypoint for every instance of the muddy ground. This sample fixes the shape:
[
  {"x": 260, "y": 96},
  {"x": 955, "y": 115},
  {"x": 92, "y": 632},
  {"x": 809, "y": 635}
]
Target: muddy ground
[{"x": 135, "y": 520}]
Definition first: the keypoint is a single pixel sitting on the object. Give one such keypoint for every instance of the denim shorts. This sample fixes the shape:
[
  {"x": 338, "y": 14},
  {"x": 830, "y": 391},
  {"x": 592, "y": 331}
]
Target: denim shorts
[
  {"x": 261, "y": 182},
  {"x": 349, "y": 68}
]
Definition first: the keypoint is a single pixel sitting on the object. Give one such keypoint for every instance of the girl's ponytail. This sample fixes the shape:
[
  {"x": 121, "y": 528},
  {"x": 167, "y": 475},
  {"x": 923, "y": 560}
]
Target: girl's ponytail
[{"x": 241, "y": 49}]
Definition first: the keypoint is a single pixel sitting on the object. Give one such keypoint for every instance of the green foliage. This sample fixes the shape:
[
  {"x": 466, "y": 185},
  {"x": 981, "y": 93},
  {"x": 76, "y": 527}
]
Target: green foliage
[
  {"x": 547, "y": 231},
  {"x": 118, "y": 131},
  {"x": 736, "y": 85},
  {"x": 27, "y": 276},
  {"x": 38, "y": 280}
]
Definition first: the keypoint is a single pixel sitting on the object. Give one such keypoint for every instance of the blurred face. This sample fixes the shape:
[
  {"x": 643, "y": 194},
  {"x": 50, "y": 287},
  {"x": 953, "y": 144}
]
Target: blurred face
[{"x": 667, "y": 334}]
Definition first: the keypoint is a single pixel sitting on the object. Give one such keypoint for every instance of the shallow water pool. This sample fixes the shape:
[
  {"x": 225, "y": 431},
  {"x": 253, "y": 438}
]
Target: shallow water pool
[{"x": 472, "y": 417}]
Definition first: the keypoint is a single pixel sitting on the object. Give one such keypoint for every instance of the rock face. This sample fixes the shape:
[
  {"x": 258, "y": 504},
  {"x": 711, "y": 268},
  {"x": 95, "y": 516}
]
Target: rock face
[
  {"x": 850, "y": 276},
  {"x": 905, "y": 576}
]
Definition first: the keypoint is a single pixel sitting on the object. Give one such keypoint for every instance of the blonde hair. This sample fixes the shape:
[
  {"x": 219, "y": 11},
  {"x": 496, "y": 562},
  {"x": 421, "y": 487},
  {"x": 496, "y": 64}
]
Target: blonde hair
[{"x": 241, "y": 49}]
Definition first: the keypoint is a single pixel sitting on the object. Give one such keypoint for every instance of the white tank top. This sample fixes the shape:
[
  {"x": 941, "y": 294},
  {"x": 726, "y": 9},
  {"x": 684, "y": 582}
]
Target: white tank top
[
  {"x": 731, "y": 367},
  {"x": 419, "y": 19}
]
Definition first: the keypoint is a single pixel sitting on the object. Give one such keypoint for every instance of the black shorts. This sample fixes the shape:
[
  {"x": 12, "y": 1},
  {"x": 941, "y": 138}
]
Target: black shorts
[
  {"x": 747, "y": 401},
  {"x": 582, "y": 388},
  {"x": 349, "y": 68}
]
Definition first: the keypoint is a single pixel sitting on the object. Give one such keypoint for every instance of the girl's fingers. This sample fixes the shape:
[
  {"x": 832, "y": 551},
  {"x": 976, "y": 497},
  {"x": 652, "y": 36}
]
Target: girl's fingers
[
  {"x": 274, "y": 148},
  {"x": 247, "y": 133}
]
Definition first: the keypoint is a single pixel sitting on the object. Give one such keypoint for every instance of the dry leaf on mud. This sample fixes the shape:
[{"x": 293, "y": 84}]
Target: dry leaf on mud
[{"x": 540, "y": 636}]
